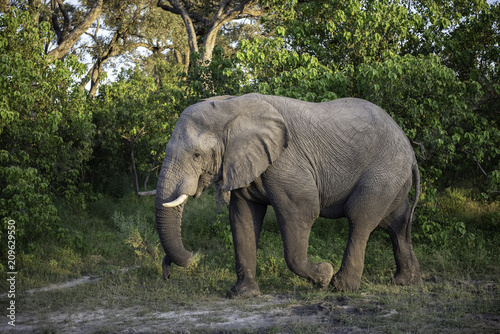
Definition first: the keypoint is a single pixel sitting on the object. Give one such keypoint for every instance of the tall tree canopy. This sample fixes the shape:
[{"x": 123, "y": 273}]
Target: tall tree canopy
[{"x": 433, "y": 65}]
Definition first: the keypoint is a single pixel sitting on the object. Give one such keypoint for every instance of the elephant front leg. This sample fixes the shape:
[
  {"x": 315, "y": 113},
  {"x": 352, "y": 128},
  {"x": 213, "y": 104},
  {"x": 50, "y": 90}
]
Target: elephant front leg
[
  {"x": 296, "y": 258},
  {"x": 246, "y": 223},
  {"x": 295, "y": 232}
]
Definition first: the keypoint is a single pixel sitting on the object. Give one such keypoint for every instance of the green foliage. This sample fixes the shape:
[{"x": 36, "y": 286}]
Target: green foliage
[
  {"x": 344, "y": 33},
  {"x": 141, "y": 236},
  {"x": 431, "y": 105},
  {"x": 221, "y": 76},
  {"x": 45, "y": 128},
  {"x": 27, "y": 201},
  {"x": 272, "y": 69},
  {"x": 222, "y": 230},
  {"x": 435, "y": 228},
  {"x": 134, "y": 117},
  {"x": 457, "y": 221}
]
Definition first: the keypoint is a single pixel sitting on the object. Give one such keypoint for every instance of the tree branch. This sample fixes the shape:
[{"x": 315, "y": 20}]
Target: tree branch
[
  {"x": 176, "y": 10},
  {"x": 180, "y": 10},
  {"x": 488, "y": 99},
  {"x": 62, "y": 50},
  {"x": 479, "y": 165},
  {"x": 242, "y": 9},
  {"x": 66, "y": 18},
  {"x": 223, "y": 14},
  {"x": 94, "y": 73},
  {"x": 55, "y": 22},
  {"x": 221, "y": 18}
]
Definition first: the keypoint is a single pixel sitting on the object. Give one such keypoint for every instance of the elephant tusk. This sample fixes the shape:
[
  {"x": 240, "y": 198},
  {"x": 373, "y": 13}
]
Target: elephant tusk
[
  {"x": 147, "y": 193},
  {"x": 181, "y": 199}
]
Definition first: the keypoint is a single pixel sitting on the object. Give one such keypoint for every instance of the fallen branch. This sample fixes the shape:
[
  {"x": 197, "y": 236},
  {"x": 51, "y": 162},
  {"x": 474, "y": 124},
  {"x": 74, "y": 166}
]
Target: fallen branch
[{"x": 147, "y": 193}]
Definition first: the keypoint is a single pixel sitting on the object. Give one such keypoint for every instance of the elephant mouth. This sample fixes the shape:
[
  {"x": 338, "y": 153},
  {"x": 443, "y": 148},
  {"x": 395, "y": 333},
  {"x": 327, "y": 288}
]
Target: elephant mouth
[
  {"x": 200, "y": 191},
  {"x": 205, "y": 180}
]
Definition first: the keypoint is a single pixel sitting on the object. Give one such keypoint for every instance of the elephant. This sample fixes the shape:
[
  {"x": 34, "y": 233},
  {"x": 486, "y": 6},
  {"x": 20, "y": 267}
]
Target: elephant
[{"x": 343, "y": 158}]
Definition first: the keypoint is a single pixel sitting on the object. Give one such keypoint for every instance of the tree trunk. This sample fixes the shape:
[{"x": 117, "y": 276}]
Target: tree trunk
[
  {"x": 223, "y": 15},
  {"x": 134, "y": 168},
  {"x": 153, "y": 167},
  {"x": 94, "y": 75},
  {"x": 184, "y": 61},
  {"x": 57, "y": 6}
]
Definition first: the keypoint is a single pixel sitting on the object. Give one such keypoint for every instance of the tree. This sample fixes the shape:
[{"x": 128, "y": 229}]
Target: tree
[
  {"x": 68, "y": 22},
  {"x": 343, "y": 33},
  {"x": 203, "y": 19},
  {"x": 466, "y": 37},
  {"x": 45, "y": 128},
  {"x": 66, "y": 39},
  {"x": 135, "y": 117},
  {"x": 133, "y": 24}
]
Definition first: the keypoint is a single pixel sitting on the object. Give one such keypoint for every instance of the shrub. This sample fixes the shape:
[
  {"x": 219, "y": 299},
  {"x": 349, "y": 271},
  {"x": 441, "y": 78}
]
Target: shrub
[
  {"x": 142, "y": 238},
  {"x": 45, "y": 128}
]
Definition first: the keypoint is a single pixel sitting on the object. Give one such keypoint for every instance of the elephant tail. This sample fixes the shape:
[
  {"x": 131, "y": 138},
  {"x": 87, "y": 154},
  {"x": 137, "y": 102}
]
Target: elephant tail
[{"x": 416, "y": 174}]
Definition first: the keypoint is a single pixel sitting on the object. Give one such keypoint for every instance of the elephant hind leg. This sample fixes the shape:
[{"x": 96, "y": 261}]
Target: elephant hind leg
[
  {"x": 366, "y": 207},
  {"x": 398, "y": 226},
  {"x": 348, "y": 278}
]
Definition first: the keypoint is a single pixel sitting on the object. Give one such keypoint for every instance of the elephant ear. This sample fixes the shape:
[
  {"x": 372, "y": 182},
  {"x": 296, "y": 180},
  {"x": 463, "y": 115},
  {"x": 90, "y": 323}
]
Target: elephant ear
[{"x": 255, "y": 138}]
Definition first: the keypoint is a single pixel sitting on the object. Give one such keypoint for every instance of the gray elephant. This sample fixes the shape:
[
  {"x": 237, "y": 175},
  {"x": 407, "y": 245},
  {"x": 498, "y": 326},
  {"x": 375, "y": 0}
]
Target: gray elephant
[{"x": 344, "y": 158}]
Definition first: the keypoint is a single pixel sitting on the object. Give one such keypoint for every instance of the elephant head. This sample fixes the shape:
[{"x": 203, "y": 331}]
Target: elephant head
[{"x": 230, "y": 141}]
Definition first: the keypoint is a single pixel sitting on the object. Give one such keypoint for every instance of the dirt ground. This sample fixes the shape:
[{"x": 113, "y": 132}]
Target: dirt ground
[
  {"x": 260, "y": 314},
  {"x": 222, "y": 319},
  {"x": 266, "y": 313}
]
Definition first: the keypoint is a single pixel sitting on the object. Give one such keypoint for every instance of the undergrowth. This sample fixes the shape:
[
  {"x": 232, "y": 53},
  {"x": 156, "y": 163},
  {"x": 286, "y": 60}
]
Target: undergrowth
[
  {"x": 456, "y": 239},
  {"x": 118, "y": 243}
]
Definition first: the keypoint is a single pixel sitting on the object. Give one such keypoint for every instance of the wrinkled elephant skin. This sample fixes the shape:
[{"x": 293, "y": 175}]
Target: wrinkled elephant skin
[{"x": 344, "y": 158}]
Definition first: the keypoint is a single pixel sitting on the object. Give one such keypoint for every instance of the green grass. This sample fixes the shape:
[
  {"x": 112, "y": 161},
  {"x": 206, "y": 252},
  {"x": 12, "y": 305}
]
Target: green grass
[{"x": 460, "y": 274}]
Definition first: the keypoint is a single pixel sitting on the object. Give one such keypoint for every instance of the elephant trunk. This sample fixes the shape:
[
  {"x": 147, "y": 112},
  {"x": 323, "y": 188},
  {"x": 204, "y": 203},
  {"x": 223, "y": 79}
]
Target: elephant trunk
[{"x": 168, "y": 225}]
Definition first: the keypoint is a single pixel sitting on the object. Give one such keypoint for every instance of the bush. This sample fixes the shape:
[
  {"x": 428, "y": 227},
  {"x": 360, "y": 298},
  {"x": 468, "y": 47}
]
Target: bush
[
  {"x": 435, "y": 110},
  {"x": 45, "y": 128},
  {"x": 272, "y": 69},
  {"x": 142, "y": 238},
  {"x": 26, "y": 200},
  {"x": 135, "y": 117}
]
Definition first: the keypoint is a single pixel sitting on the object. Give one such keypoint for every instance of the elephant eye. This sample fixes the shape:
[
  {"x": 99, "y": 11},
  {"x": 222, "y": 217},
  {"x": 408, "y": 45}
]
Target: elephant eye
[{"x": 196, "y": 156}]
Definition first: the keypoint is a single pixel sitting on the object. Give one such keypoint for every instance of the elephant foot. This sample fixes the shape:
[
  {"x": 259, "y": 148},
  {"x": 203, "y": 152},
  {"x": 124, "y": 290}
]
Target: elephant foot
[
  {"x": 346, "y": 283},
  {"x": 244, "y": 290},
  {"x": 406, "y": 278},
  {"x": 324, "y": 273}
]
